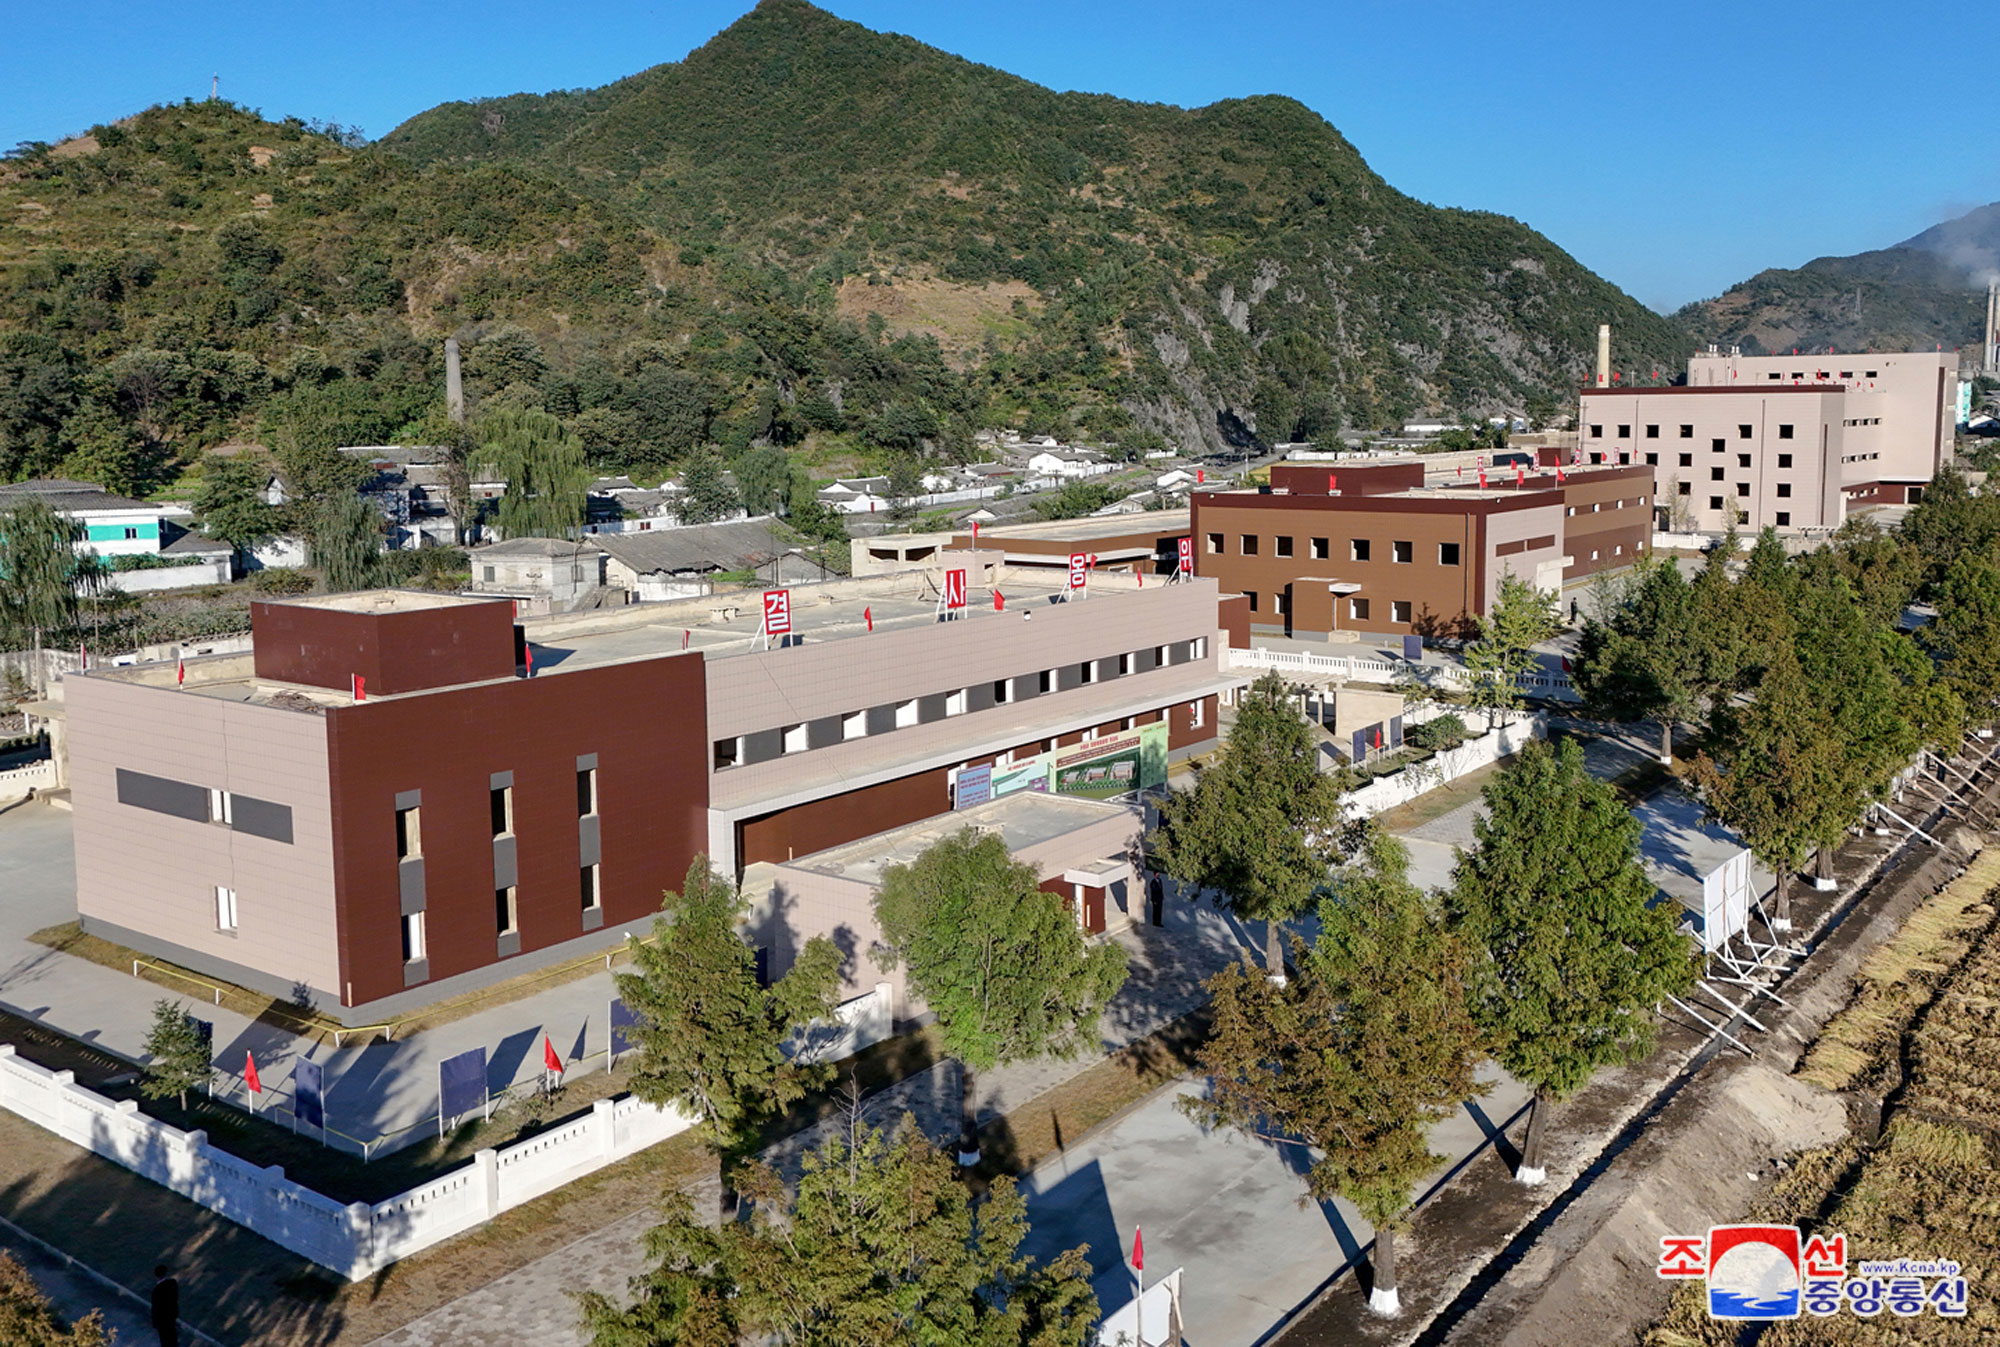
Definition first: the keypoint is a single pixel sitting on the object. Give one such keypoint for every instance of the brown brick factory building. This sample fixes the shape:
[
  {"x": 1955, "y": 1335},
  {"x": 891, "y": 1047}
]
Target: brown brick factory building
[
  {"x": 1376, "y": 550},
  {"x": 503, "y": 800}
]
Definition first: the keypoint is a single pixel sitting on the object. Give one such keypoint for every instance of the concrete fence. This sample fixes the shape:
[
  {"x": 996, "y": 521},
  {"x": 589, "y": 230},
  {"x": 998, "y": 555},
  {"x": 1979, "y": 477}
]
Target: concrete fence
[
  {"x": 17, "y": 783},
  {"x": 1407, "y": 783},
  {"x": 1545, "y": 683},
  {"x": 359, "y": 1239},
  {"x": 23, "y": 664}
]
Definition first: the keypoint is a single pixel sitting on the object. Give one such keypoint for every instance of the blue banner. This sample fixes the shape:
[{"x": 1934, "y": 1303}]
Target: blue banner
[
  {"x": 309, "y": 1092},
  {"x": 975, "y": 786},
  {"x": 623, "y": 1018},
  {"x": 462, "y": 1084}
]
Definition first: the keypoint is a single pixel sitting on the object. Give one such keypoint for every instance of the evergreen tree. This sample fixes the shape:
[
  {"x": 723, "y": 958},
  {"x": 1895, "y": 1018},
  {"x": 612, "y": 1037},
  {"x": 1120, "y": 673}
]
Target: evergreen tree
[
  {"x": 1522, "y": 618},
  {"x": 1721, "y": 651},
  {"x": 1358, "y": 1055},
  {"x": 711, "y": 1040},
  {"x": 709, "y": 496},
  {"x": 1569, "y": 954},
  {"x": 28, "y": 1319},
  {"x": 1644, "y": 660},
  {"x": 177, "y": 1055},
  {"x": 1262, "y": 824},
  {"x": 1965, "y": 637},
  {"x": 548, "y": 479},
  {"x": 1002, "y": 964},
  {"x": 1951, "y": 522},
  {"x": 41, "y": 573},
  {"x": 880, "y": 1245},
  {"x": 229, "y": 501}
]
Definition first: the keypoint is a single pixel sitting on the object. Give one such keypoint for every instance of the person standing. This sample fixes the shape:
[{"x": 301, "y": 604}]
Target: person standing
[{"x": 166, "y": 1307}]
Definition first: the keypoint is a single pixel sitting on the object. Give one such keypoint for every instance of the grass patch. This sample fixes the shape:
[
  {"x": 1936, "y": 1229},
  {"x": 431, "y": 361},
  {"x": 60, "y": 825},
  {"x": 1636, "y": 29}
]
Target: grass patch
[{"x": 1860, "y": 1047}]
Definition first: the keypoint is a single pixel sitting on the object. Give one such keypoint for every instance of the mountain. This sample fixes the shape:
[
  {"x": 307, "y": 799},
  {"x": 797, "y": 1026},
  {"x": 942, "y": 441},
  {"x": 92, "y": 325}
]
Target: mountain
[
  {"x": 807, "y": 243},
  {"x": 1198, "y": 267},
  {"x": 1922, "y": 291}
]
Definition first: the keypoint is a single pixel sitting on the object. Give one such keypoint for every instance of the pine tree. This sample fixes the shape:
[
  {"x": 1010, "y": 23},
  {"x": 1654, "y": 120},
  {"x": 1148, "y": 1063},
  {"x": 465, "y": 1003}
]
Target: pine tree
[
  {"x": 880, "y": 1245},
  {"x": 709, "y": 496},
  {"x": 711, "y": 1040},
  {"x": 177, "y": 1054},
  {"x": 1522, "y": 617},
  {"x": 1002, "y": 963},
  {"x": 1263, "y": 824},
  {"x": 28, "y": 1319},
  {"x": 1569, "y": 955},
  {"x": 1644, "y": 660},
  {"x": 1358, "y": 1055},
  {"x": 1965, "y": 638}
]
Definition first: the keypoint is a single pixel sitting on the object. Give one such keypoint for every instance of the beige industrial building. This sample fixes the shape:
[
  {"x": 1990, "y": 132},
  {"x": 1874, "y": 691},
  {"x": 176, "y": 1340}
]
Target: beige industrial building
[
  {"x": 1726, "y": 457},
  {"x": 1897, "y": 411}
]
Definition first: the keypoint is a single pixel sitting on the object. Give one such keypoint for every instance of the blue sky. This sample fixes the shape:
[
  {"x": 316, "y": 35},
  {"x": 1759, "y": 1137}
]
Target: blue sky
[{"x": 1673, "y": 149}]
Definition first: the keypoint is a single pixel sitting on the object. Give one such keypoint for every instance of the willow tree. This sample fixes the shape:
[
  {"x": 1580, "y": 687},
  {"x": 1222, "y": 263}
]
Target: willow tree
[
  {"x": 547, "y": 476},
  {"x": 42, "y": 573}
]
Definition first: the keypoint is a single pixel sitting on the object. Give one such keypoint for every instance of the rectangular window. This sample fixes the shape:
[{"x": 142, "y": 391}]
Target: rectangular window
[
  {"x": 1195, "y": 710},
  {"x": 1716, "y": 446},
  {"x": 1687, "y": 432},
  {"x": 586, "y": 886},
  {"x": 1251, "y": 595},
  {"x": 1784, "y": 432},
  {"x": 413, "y": 937},
  {"x": 1687, "y": 460},
  {"x": 1215, "y": 544},
  {"x": 1784, "y": 460},
  {"x": 1046, "y": 681},
  {"x": 796, "y": 739},
  {"x": 1715, "y": 474},
  {"x": 1281, "y": 602},
  {"x": 1003, "y": 691},
  {"x": 906, "y": 713},
  {"x": 1652, "y": 460},
  {"x": 1282, "y": 545},
  {"x": 1249, "y": 544},
  {"x": 1447, "y": 554},
  {"x": 1399, "y": 610},
  {"x": 1358, "y": 609},
  {"x": 131, "y": 535},
  {"x": 225, "y": 909},
  {"x": 1402, "y": 553},
  {"x": 1089, "y": 668},
  {"x": 218, "y": 806},
  {"x": 506, "y": 911},
  {"x": 1743, "y": 460},
  {"x": 409, "y": 833},
  {"x": 1652, "y": 432},
  {"x": 854, "y": 725},
  {"x": 1357, "y": 550},
  {"x": 1319, "y": 549},
  {"x": 486, "y": 575},
  {"x": 1784, "y": 518},
  {"x": 1715, "y": 502},
  {"x": 1597, "y": 432},
  {"x": 1744, "y": 432},
  {"x": 955, "y": 702},
  {"x": 1684, "y": 489},
  {"x": 1743, "y": 488},
  {"x": 728, "y": 752},
  {"x": 1624, "y": 432},
  {"x": 1125, "y": 664},
  {"x": 586, "y": 790},
  {"x": 501, "y": 799},
  {"x": 1199, "y": 647}
]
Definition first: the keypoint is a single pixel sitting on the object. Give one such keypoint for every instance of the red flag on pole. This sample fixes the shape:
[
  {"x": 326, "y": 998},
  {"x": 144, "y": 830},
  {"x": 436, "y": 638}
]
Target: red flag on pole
[
  {"x": 531, "y": 658},
  {"x": 360, "y": 688},
  {"x": 975, "y": 532},
  {"x": 999, "y": 601},
  {"x": 1200, "y": 476},
  {"x": 1138, "y": 1248},
  {"x": 1559, "y": 474},
  {"x": 250, "y": 1073},
  {"x": 1333, "y": 484},
  {"x": 686, "y": 635},
  {"x": 180, "y": 672},
  {"x": 868, "y": 616},
  {"x": 1482, "y": 479},
  {"x": 549, "y": 1058},
  {"x": 1520, "y": 475}
]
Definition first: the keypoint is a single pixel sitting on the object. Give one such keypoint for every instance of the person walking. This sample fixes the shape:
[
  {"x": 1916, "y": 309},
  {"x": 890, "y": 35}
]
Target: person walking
[{"x": 166, "y": 1307}]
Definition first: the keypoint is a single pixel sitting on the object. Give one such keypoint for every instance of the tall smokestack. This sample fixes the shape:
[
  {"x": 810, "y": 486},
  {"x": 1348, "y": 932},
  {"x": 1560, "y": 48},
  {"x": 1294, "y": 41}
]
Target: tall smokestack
[
  {"x": 454, "y": 386},
  {"x": 1604, "y": 355},
  {"x": 1993, "y": 327}
]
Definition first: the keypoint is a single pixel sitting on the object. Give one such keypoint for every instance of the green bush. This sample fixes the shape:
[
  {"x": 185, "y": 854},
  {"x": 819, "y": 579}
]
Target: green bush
[
  {"x": 1436, "y": 735},
  {"x": 281, "y": 581}
]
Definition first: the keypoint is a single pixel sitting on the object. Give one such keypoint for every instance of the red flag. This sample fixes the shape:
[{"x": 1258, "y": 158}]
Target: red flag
[
  {"x": 1332, "y": 484},
  {"x": 1142, "y": 578},
  {"x": 1520, "y": 475},
  {"x": 531, "y": 658},
  {"x": 975, "y": 531},
  {"x": 868, "y": 616},
  {"x": 1482, "y": 479},
  {"x": 1138, "y": 1249},
  {"x": 549, "y": 1058},
  {"x": 180, "y": 672},
  {"x": 1093, "y": 561},
  {"x": 686, "y": 635},
  {"x": 1559, "y": 474},
  {"x": 999, "y": 601},
  {"x": 250, "y": 1073},
  {"x": 360, "y": 688},
  {"x": 1200, "y": 476},
  {"x": 1378, "y": 738},
  {"x": 1461, "y": 470}
]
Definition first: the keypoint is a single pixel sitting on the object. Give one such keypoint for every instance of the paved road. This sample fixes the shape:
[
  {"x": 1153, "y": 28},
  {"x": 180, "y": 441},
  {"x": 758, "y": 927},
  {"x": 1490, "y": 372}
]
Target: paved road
[{"x": 74, "y": 1294}]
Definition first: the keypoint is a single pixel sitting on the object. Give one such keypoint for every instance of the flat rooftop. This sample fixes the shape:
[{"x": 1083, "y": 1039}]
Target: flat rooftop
[
  {"x": 1024, "y": 819},
  {"x": 387, "y": 601},
  {"x": 1681, "y": 846},
  {"x": 1086, "y": 528}
]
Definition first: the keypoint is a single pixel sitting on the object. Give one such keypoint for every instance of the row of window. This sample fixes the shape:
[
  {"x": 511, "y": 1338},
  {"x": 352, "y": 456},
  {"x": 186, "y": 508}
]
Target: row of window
[
  {"x": 1358, "y": 609},
  {"x": 205, "y": 804},
  {"x": 803, "y": 736},
  {"x": 1743, "y": 432},
  {"x": 1798, "y": 375},
  {"x": 1598, "y": 506},
  {"x": 1864, "y": 421},
  {"x": 1784, "y": 489},
  {"x": 1402, "y": 552},
  {"x": 1781, "y": 518},
  {"x": 1858, "y": 458}
]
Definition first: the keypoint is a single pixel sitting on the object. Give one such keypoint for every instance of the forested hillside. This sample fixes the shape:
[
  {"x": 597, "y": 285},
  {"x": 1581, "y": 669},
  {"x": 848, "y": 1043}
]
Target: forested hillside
[
  {"x": 1923, "y": 291},
  {"x": 804, "y": 235}
]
